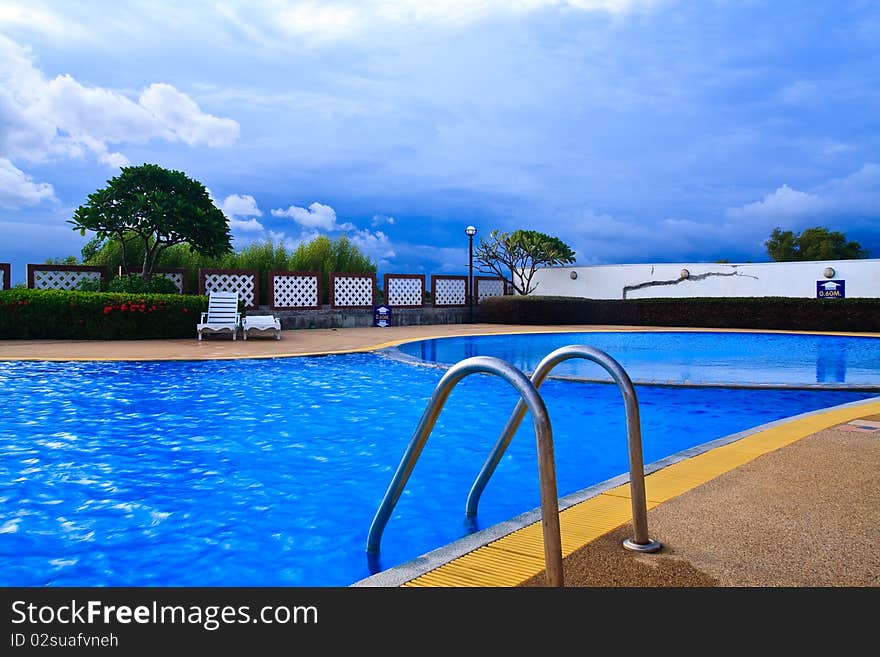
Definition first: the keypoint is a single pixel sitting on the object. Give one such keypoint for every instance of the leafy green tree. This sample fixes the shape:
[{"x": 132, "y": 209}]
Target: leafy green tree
[
  {"x": 516, "y": 256},
  {"x": 152, "y": 209},
  {"x": 330, "y": 256},
  {"x": 817, "y": 243}
]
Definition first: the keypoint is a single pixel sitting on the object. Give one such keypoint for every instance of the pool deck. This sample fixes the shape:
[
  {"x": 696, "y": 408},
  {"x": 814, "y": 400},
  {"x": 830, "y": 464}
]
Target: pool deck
[{"x": 794, "y": 503}]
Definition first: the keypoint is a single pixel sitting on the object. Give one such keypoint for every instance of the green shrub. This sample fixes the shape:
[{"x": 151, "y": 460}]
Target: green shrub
[
  {"x": 134, "y": 283},
  {"x": 89, "y": 285},
  {"x": 67, "y": 314},
  {"x": 779, "y": 313}
]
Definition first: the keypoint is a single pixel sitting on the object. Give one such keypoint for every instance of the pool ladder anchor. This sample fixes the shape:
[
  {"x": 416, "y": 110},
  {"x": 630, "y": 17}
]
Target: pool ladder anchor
[
  {"x": 640, "y": 542},
  {"x": 529, "y": 398}
]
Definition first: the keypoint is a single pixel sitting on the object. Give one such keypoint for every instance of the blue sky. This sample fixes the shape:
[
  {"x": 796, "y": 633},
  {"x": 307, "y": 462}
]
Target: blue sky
[{"x": 634, "y": 130}]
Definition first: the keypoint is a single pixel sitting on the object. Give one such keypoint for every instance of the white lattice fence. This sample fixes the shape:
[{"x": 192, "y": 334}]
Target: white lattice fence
[
  {"x": 488, "y": 287},
  {"x": 404, "y": 291},
  {"x": 244, "y": 283},
  {"x": 294, "y": 290},
  {"x": 449, "y": 291},
  {"x": 4, "y": 282},
  {"x": 67, "y": 277},
  {"x": 176, "y": 278},
  {"x": 353, "y": 291}
]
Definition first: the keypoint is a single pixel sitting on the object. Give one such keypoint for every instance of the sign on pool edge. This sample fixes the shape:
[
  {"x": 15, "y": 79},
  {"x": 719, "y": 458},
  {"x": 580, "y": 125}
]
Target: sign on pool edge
[
  {"x": 831, "y": 289},
  {"x": 382, "y": 316}
]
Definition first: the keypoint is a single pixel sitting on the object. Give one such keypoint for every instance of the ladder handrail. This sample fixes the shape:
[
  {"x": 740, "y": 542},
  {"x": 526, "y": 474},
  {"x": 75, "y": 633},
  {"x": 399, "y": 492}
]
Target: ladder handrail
[
  {"x": 640, "y": 541},
  {"x": 529, "y": 398}
]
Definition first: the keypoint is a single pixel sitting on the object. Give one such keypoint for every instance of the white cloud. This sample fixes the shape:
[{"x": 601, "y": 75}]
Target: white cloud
[
  {"x": 18, "y": 189},
  {"x": 380, "y": 219},
  {"x": 783, "y": 204},
  {"x": 374, "y": 245},
  {"x": 317, "y": 216},
  {"x": 182, "y": 117},
  {"x": 235, "y": 206},
  {"x": 856, "y": 197},
  {"x": 28, "y": 17},
  {"x": 47, "y": 119},
  {"x": 248, "y": 226},
  {"x": 308, "y": 22}
]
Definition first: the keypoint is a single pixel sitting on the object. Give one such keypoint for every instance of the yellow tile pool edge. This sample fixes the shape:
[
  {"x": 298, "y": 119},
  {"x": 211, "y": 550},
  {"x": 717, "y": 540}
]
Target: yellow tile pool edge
[{"x": 518, "y": 556}]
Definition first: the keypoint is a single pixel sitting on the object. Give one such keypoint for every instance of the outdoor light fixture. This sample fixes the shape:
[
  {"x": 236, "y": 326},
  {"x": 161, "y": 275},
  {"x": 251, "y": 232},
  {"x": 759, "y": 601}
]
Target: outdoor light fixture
[
  {"x": 573, "y": 275},
  {"x": 829, "y": 272},
  {"x": 470, "y": 231}
]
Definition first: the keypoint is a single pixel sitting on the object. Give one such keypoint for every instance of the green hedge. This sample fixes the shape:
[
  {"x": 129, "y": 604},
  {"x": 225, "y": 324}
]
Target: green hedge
[
  {"x": 781, "y": 313},
  {"x": 28, "y": 313}
]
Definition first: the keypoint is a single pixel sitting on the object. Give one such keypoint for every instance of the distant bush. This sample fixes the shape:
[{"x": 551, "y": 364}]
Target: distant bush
[
  {"x": 330, "y": 256},
  {"x": 780, "y": 313},
  {"x": 70, "y": 314},
  {"x": 134, "y": 283},
  {"x": 89, "y": 285}
]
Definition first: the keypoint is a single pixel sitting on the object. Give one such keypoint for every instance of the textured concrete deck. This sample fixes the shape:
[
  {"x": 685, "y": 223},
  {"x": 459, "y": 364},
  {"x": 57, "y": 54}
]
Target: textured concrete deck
[{"x": 800, "y": 507}]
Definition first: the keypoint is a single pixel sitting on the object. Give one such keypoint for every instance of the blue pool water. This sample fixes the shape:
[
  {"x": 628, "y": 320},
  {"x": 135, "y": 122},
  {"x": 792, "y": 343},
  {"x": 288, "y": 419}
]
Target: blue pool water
[
  {"x": 269, "y": 473},
  {"x": 683, "y": 357}
]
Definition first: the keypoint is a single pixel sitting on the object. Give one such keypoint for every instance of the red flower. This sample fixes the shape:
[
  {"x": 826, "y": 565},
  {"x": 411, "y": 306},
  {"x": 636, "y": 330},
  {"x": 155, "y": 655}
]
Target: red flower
[
  {"x": 107, "y": 309},
  {"x": 184, "y": 309},
  {"x": 152, "y": 307},
  {"x": 123, "y": 307}
]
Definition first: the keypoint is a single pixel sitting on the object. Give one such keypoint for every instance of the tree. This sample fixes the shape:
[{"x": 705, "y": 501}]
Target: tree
[
  {"x": 154, "y": 208},
  {"x": 330, "y": 256},
  {"x": 817, "y": 243},
  {"x": 516, "y": 256}
]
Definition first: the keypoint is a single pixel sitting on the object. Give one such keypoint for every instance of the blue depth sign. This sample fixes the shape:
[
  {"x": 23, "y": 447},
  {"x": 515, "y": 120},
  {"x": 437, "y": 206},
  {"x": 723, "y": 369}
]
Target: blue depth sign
[
  {"x": 830, "y": 289},
  {"x": 382, "y": 316}
]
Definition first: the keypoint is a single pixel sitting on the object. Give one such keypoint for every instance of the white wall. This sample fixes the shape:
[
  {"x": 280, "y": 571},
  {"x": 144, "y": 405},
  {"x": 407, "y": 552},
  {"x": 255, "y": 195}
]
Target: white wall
[{"x": 764, "y": 279}]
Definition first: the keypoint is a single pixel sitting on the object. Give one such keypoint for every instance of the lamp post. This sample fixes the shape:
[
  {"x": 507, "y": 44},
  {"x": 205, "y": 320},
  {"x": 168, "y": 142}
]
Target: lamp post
[{"x": 471, "y": 231}]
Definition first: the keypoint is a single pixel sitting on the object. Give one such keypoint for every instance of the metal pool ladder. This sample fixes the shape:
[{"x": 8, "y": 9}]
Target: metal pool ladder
[
  {"x": 529, "y": 398},
  {"x": 640, "y": 541}
]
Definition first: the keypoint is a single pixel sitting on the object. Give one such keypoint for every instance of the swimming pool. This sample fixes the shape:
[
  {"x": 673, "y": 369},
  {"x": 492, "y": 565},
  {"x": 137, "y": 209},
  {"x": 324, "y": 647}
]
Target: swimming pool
[
  {"x": 684, "y": 357},
  {"x": 268, "y": 473}
]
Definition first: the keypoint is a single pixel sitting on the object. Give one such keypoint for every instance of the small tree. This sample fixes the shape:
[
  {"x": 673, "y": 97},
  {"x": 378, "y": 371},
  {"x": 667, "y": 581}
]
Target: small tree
[
  {"x": 817, "y": 243},
  {"x": 516, "y": 256},
  {"x": 156, "y": 208}
]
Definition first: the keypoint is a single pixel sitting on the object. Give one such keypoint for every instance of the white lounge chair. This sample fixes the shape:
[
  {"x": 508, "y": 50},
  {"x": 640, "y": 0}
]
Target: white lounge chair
[
  {"x": 222, "y": 314},
  {"x": 261, "y": 323}
]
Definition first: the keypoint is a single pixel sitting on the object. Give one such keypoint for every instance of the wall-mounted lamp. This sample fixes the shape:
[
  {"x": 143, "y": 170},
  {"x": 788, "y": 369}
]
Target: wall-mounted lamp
[
  {"x": 684, "y": 273},
  {"x": 829, "y": 272},
  {"x": 573, "y": 275}
]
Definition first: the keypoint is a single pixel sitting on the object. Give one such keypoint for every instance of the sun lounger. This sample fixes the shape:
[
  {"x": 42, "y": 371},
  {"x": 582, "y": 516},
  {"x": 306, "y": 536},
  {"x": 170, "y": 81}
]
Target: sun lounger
[{"x": 222, "y": 314}]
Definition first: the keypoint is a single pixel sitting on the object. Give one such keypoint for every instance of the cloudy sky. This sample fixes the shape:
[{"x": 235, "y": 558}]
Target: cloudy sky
[{"x": 635, "y": 130}]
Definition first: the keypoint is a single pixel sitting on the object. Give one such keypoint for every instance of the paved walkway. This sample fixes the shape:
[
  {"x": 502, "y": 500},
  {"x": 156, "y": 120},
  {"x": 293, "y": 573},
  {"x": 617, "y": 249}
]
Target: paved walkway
[{"x": 797, "y": 504}]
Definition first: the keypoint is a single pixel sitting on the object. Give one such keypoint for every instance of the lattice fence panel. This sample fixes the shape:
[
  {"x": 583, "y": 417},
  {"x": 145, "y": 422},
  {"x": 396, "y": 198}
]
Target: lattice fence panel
[
  {"x": 353, "y": 291},
  {"x": 2, "y": 279},
  {"x": 450, "y": 292},
  {"x": 176, "y": 278},
  {"x": 404, "y": 292},
  {"x": 489, "y": 287},
  {"x": 243, "y": 284},
  {"x": 58, "y": 279},
  {"x": 295, "y": 291}
]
